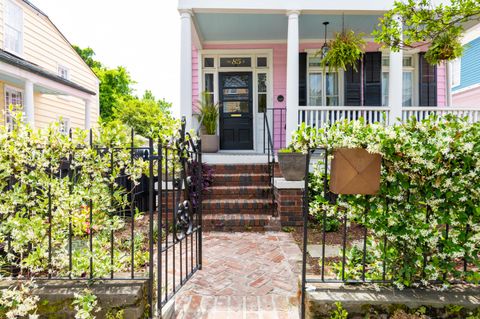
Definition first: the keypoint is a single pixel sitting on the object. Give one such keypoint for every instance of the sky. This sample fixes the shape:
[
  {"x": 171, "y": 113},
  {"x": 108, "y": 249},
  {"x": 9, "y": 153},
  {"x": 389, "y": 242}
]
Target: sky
[{"x": 143, "y": 36}]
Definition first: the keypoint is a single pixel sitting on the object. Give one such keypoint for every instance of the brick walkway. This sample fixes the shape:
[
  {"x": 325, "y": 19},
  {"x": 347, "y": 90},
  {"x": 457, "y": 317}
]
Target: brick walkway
[{"x": 244, "y": 275}]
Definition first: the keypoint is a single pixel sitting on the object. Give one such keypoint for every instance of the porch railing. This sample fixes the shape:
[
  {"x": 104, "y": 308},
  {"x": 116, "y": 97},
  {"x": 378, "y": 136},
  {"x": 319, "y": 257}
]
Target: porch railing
[
  {"x": 320, "y": 116},
  {"x": 421, "y": 112}
]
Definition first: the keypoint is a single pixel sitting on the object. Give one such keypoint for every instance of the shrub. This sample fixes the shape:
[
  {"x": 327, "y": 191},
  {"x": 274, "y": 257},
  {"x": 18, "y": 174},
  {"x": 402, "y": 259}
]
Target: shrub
[{"x": 428, "y": 208}]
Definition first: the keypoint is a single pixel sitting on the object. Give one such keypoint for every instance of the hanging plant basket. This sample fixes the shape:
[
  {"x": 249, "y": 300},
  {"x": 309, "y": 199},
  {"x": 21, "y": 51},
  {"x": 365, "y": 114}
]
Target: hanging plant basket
[{"x": 344, "y": 51}]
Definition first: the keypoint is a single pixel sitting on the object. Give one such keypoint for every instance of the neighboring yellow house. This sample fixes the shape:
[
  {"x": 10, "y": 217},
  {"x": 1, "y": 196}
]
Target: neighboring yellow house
[{"x": 40, "y": 71}]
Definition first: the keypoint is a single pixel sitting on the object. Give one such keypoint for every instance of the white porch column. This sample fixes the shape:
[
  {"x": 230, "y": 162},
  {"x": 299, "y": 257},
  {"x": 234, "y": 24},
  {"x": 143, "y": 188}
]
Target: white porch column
[
  {"x": 29, "y": 103},
  {"x": 292, "y": 74},
  {"x": 395, "y": 86},
  {"x": 88, "y": 114},
  {"x": 186, "y": 67}
]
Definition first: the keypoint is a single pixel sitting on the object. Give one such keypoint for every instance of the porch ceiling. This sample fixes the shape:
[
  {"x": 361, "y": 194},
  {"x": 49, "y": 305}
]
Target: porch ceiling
[{"x": 257, "y": 27}]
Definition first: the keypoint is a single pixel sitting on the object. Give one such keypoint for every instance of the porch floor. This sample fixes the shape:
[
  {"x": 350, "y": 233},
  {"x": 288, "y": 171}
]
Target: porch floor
[{"x": 244, "y": 275}]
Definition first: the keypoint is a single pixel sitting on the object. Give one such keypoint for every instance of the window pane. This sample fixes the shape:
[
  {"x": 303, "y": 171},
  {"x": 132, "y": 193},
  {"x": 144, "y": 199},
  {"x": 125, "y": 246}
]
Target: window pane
[
  {"x": 209, "y": 62},
  {"x": 314, "y": 61},
  {"x": 385, "y": 60},
  {"x": 262, "y": 82},
  {"x": 208, "y": 82},
  {"x": 262, "y": 62},
  {"x": 385, "y": 88},
  {"x": 235, "y": 107},
  {"x": 332, "y": 89},
  {"x": 407, "y": 61},
  {"x": 315, "y": 89},
  {"x": 262, "y": 102},
  {"x": 407, "y": 88}
]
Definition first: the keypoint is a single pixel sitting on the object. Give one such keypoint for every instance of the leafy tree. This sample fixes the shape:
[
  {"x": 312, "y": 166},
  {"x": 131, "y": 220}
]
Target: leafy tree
[
  {"x": 438, "y": 26},
  {"x": 162, "y": 104},
  {"x": 115, "y": 87},
  {"x": 147, "y": 118},
  {"x": 87, "y": 55}
]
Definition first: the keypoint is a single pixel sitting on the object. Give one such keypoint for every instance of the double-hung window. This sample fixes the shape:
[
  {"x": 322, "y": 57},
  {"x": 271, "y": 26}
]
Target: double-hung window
[
  {"x": 408, "y": 71},
  {"x": 322, "y": 84},
  {"x": 13, "y": 38},
  {"x": 13, "y": 103}
]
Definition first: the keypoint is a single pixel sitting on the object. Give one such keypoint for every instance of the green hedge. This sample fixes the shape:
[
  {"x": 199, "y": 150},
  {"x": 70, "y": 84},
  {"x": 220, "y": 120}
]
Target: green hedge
[{"x": 430, "y": 183}]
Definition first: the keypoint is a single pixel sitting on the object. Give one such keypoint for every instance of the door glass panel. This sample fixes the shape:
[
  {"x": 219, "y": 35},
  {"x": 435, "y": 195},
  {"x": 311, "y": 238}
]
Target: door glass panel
[
  {"x": 235, "y": 94},
  {"x": 235, "y": 107},
  {"x": 315, "y": 89},
  {"x": 262, "y": 82},
  {"x": 235, "y": 81},
  {"x": 262, "y": 102}
]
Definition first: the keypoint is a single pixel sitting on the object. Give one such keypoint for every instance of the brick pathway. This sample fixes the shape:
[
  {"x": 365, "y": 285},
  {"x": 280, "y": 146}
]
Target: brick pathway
[{"x": 244, "y": 275}]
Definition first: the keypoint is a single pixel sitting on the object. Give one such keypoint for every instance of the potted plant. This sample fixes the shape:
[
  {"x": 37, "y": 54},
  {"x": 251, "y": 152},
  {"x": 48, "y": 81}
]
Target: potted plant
[
  {"x": 293, "y": 164},
  {"x": 209, "y": 118}
]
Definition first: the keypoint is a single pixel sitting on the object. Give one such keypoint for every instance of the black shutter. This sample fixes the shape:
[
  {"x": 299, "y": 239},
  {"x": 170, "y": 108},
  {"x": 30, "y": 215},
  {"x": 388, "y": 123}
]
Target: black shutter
[
  {"x": 302, "y": 79},
  {"x": 428, "y": 82},
  {"x": 353, "y": 86},
  {"x": 372, "y": 71}
]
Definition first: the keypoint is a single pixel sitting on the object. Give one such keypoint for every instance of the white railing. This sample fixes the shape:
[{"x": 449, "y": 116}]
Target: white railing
[
  {"x": 420, "y": 113},
  {"x": 320, "y": 116}
]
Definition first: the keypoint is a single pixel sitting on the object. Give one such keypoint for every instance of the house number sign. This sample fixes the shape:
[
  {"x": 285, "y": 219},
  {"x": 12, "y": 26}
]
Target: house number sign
[{"x": 235, "y": 62}]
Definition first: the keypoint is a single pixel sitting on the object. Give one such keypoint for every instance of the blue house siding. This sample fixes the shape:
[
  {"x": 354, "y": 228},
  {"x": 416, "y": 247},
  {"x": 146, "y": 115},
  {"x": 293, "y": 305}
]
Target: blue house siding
[{"x": 470, "y": 65}]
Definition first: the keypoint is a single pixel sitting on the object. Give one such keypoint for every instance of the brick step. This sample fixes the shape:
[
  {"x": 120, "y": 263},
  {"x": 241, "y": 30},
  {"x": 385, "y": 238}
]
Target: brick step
[
  {"x": 237, "y": 206},
  {"x": 240, "y": 223},
  {"x": 246, "y": 179},
  {"x": 238, "y": 192},
  {"x": 239, "y": 168}
]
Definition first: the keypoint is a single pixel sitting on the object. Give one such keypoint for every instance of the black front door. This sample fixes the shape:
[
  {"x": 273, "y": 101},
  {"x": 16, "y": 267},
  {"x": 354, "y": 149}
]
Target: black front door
[{"x": 236, "y": 111}]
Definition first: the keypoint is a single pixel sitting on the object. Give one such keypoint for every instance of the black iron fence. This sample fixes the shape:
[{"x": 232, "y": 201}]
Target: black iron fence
[{"x": 164, "y": 244}]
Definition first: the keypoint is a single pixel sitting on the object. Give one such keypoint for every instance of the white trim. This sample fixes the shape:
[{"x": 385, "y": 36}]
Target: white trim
[
  {"x": 456, "y": 69},
  {"x": 471, "y": 34},
  {"x": 253, "y": 54},
  {"x": 310, "y": 5},
  {"x": 42, "y": 81},
  {"x": 468, "y": 88},
  {"x": 22, "y": 27}
]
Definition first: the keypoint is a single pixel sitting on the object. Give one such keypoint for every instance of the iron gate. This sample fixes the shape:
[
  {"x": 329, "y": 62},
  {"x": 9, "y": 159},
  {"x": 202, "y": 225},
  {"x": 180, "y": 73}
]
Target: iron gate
[{"x": 178, "y": 191}]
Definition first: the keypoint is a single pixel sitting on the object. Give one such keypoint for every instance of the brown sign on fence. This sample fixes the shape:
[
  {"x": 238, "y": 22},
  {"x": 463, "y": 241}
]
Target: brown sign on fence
[{"x": 355, "y": 172}]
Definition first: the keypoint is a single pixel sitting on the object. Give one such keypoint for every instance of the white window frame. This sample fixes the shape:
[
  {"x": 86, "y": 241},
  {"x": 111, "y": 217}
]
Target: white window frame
[
  {"x": 412, "y": 68},
  {"x": 456, "y": 67},
  {"x": 5, "y": 25},
  {"x": 320, "y": 69},
  {"x": 240, "y": 53},
  {"x": 63, "y": 68}
]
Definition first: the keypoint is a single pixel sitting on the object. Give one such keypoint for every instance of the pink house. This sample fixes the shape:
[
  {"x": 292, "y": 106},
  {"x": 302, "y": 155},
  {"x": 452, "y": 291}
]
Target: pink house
[{"x": 260, "y": 61}]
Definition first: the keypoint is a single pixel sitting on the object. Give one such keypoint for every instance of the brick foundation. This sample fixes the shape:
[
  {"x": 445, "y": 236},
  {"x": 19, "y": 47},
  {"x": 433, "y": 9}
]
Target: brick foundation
[{"x": 289, "y": 203}]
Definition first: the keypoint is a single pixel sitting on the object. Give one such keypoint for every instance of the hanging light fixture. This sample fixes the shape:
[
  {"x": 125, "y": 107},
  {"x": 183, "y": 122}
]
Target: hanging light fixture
[{"x": 325, "y": 45}]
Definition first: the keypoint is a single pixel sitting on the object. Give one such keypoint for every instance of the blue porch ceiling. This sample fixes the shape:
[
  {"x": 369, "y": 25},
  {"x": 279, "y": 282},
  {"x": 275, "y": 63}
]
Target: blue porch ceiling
[{"x": 255, "y": 27}]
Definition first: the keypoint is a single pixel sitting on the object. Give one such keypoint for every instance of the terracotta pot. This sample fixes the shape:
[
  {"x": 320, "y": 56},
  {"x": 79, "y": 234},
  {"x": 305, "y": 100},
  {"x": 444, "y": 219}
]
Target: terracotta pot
[
  {"x": 293, "y": 166},
  {"x": 210, "y": 143},
  {"x": 355, "y": 172}
]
